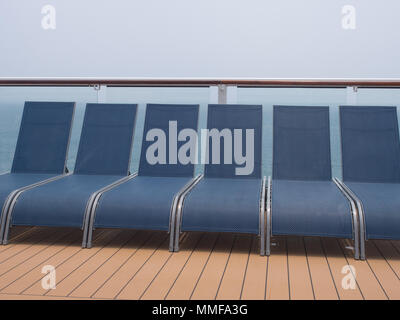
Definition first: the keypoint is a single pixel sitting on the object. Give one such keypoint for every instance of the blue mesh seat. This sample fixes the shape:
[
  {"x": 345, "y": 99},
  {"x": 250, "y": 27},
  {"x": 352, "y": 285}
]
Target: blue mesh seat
[
  {"x": 371, "y": 166},
  {"x": 146, "y": 201},
  {"x": 41, "y": 151},
  {"x": 305, "y": 200},
  {"x": 228, "y": 199},
  {"x": 103, "y": 158}
]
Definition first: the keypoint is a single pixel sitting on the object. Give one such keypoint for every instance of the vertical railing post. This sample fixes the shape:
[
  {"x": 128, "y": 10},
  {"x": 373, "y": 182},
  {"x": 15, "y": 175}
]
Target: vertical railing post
[
  {"x": 351, "y": 95},
  {"x": 222, "y": 94},
  {"x": 101, "y": 93}
]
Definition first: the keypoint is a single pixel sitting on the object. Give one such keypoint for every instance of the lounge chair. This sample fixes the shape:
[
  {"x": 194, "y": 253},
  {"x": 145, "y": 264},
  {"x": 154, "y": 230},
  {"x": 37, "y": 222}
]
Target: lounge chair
[
  {"x": 225, "y": 201},
  {"x": 41, "y": 151},
  {"x": 371, "y": 168},
  {"x": 302, "y": 198},
  {"x": 148, "y": 201},
  {"x": 103, "y": 159}
]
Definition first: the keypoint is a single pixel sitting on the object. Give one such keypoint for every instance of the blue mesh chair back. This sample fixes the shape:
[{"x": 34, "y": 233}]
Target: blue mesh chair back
[
  {"x": 231, "y": 117},
  {"x": 301, "y": 143},
  {"x": 106, "y": 139},
  {"x": 161, "y": 117},
  {"x": 370, "y": 144},
  {"x": 43, "y": 139}
]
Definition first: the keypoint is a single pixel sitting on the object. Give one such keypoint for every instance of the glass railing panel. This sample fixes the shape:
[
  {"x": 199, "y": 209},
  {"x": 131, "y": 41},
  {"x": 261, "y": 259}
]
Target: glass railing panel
[
  {"x": 11, "y": 106},
  {"x": 268, "y": 97},
  {"x": 379, "y": 97},
  {"x": 144, "y": 95}
]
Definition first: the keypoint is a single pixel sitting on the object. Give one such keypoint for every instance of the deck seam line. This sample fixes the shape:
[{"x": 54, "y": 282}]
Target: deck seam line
[
  {"x": 287, "y": 266},
  {"x": 21, "y": 235},
  {"x": 308, "y": 267},
  {"x": 141, "y": 244},
  {"x": 57, "y": 266},
  {"x": 46, "y": 235},
  {"x": 41, "y": 233},
  {"x": 202, "y": 270},
  {"x": 329, "y": 267},
  {"x": 29, "y": 229},
  {"x": 235, "y": 237},
  {"x": 376, "y": 277},
  {"x": 266, "y": 279},
  {"x": 98, "y": 267},
  {"x": 67, "y": 245},
  {"x": 138, "y": 270},
  {"x": 94, "y": 253},
  {"x": 347, "y": 261},
  {"x": 247, "y": 264},
  {"x": 183, "y": 267},
  {"x": 395, "y": 247},
  {"x": 386, "y": 260},
  {"x": 41, "y": 296},
  {"x": 32, "y": 256},
  {"x": 158, "y": 272}
]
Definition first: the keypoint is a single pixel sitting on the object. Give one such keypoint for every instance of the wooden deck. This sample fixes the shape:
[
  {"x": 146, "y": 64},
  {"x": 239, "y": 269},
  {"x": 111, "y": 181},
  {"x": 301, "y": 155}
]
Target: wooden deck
[{"x": 137, "y": 265}]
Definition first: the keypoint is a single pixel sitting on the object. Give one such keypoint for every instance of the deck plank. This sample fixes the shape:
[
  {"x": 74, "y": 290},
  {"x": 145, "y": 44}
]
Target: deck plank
[
  {"x": 277, "y": 287},
  {"x": 18, "y": 231},
  {"x": 35, "y": 275},
  {"x": 390, "y": 254},
  {"x": 337, "y": 261},
  {"x": 159, "y": 287},
  {"x": 368, "y": 283},
  {"x": 232, "y": 280},
  {"x": 387, "y": 278},
  {"x": 88, "y": 287},
  {"x": 84, "y": 271},
  {"x": 186, "y": 281},
  {"x": 136, "y": 286},
  {"x": 127, "y": 264},
  {"x": 20, "y": 277},
  {"x": 74, "y": 262},
  {"x": 211, "y": 277},
  {"x": 396, "y": 244},
  {"x": 4, "y": 296},
  {"x": 256, "y": 274},
  {"x": 115, "y": 284},
  {"x": 323, "y": 284},
  {"x": 301, "y": 287},
  {"x": 21, "y": 260},
  {"x": 24, "y": 243}
]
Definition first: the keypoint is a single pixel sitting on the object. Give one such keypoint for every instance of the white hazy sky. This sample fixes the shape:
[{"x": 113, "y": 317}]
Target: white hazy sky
[{"x": 200, "y": 38}]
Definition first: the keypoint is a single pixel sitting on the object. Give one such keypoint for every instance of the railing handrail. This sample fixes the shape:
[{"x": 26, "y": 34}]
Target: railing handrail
[{"x": 187, "y": 82}]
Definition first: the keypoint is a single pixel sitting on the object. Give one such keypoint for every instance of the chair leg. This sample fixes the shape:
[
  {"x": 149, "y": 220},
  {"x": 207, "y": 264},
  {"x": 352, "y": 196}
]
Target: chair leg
[
  {"x": 89, "y": 238},
  {"x": 262, "y": 245},
  {"x": 171, "y": 240},
  {"x": 268, "y": 245},
  {"x": 268, "y": 218},
  {"x": 176, "y": 244},
  {"x": 7, "y": 229},
  {"x": 262, "y": 216},
  {"x": 362, "y": 249}
]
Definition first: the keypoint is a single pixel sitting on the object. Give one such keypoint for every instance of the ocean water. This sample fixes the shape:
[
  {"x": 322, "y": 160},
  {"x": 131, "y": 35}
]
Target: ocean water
[{"x": 12, "y": 102}]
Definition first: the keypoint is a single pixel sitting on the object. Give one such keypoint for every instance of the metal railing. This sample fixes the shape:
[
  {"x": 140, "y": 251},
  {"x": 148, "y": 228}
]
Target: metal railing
[
  {"x": 219, "y": 86},
  {"x": 182, "y": 82}
]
